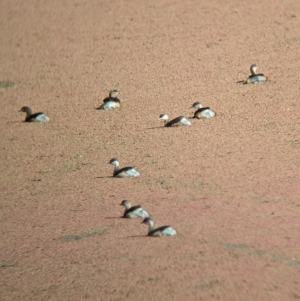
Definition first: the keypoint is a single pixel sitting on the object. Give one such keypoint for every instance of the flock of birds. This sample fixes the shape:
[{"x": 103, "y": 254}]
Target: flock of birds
[{"x": 112, "y": 102}]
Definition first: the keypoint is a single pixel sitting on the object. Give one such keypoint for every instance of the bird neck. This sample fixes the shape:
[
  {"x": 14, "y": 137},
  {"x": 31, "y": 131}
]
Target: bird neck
[
  {"x": 151, "y": 226},
  {"x": 253, "y": 71},
  {"x": 28, "y": 112},
  {"x": 116, "y": 167},
  {"x": 127, "y": 206}
]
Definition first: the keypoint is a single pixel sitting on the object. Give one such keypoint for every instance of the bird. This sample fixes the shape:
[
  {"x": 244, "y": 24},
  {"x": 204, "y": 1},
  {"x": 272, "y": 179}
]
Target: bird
[
  {"x": 125, "y": 172},
  {"x": 255, "y": 78},
  {"x": 161, "y": 231},
  {"x": 205, "y": 112},
  {"x": 111, "y": 102},
  {"x": 134, "y": 211},
  {"x": 179, "y": 121},
  {"x": 36, "y": 117}
]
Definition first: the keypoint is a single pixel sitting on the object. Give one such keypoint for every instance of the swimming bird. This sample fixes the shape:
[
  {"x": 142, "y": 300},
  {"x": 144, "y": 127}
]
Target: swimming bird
[
  {"x": 255, "y": 78},
  {"x": 125, "y": 172},
  {"x": 179, "y": 121},
  {"x": 134, "y": 211},
  {"x": 205, "y": 112},
  {"x": 111, "y": 102},
  {"x": 36, "y": 117},
  {"x": 161, "y": 231}
]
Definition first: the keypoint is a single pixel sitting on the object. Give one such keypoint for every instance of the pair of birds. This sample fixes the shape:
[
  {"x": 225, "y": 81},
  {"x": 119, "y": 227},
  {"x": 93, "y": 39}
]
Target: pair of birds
[
  {"x": 201, "y": 112},
  {"x": 110, "y": 102},
  {"x": 138, "y": 211}
]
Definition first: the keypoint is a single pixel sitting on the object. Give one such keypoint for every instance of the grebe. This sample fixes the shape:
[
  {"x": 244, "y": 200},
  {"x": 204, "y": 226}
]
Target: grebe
[
  {"x": 202, "y": 112},
  {"x": 111, "y": 102},
  {"x": 161, "y": 231},
  {"x": 124, "y": 172},
  {"x": 36, "y": 117},
  {"x": 179, "y": 121},
  {"x": 255, "y": 78},
  {"x": 134, "y": 211}
]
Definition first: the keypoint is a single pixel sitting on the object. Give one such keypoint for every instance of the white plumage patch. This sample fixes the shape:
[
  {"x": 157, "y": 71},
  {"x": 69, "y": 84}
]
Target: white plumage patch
[
  {"x": 42, "y": 118},
  {"x": 141, "y": 213},
  {"x": 169, "y": 232},
  {"x": 208, "y": 113},
  {"x": 132, "y": 173},
  {"x": 185, "y": 121},
  {"x": 109, "y": 105}
]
